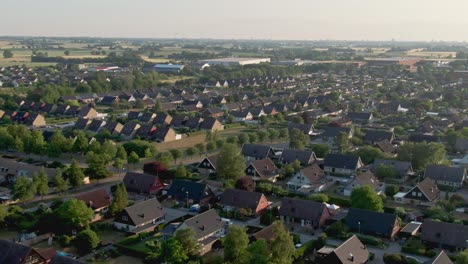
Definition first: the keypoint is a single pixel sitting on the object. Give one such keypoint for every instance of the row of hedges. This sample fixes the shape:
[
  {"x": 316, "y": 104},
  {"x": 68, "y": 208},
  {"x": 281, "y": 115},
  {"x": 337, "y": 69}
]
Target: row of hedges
[
  {"x": 339, "y": 201},
  {"x": 415, "y": 246}
]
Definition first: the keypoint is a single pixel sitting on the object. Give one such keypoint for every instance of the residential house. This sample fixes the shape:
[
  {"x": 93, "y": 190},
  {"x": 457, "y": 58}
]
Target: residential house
[
  {"x": 444, "y": 235},
  {"x": 241, "y": 115},
  {"x": 263, "y": 169},
  {"x": 13, "y": 253},
  {"x": 114, "y": 128},
  {"x": 444, "y": 175},
  {"x": 235, "y": 199},
  {"x": 141, "y": 217},
  {"x": 372, "y": 223},
  {"x": 145, "y": 131},
  {"x": 425, "y": 192},
  {"x": 98, "y": 200},
  {"x": 208, "y": 227},
  {"x": 352, "y": 251},
  {"x": 207, "y": 166},
  {"x": 129, "y": 130},
  {"x": 305, "y": 157},
  {"x": 402, "y": 169},
  {"x": 213, "y": 112},
  {"x": 309, "y": 179},
  {"x": 96, "y": 125},
  {"x": 366, "y": 178},
  {"x": 461, "y": 145},
  {"x": 360, "y": 117},
  {"x": 162, "y": 119},
  {"x": 142, "y": 183},
  {"x": 307, "y": 129},
  {"x": 331, "y": 132},
  {"x": 304, "y": 212},
  {"x": 87, "y": 112},
  {"x": 165, "y": 134},
  {"x": 373, "y": 136},
  {"x": 10, "y": 169},
  {"x": 211, "y": 124},
  {"x": 257, "y": 152},
  {"x": 441, "y": 258},
  {"x": 342, "y": 165},
  {"x": 35, "y": 120},
  {"x": 190, "y": 192}
]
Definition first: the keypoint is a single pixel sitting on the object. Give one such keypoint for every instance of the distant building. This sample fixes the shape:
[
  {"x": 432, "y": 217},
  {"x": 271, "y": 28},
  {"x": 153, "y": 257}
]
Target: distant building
[
  {"x": 168, "y": 68},
  {"x": 228, "y": 62}
]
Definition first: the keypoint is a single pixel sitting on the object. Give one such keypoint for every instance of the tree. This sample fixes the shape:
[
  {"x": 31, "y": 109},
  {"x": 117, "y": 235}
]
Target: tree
[
  {"x": 23, "y": 189},
  {"x": 41, "y": 183},
  {"x": 235, "y": 244},
  {"x": 3, "y": 212},
  {"x": 85, "y": 241},
  {"x": 121, "y": 153},
  {"x": 319, "y": 197},
  {"x": 391, "y": 190},
  {"x": 243, "y": 138},
  {"x": 75, "y": 174},
  {"x": 172, "y": 251},
  {"x": 97, "y": 165},
  {"x": 181, "y": 171},
  {"x": 186, "y": 237},
  {"x": 176, "y": 154},
  {"x": 118, "y": 164},
  {"x": 364, "y": 197},
  {"x": 81, "y": 143},
  {"x": 342, "y": 142},
  {"x": 462, "y": 257},
  {"x": 321, "y": 150},
  {"x": 273, "y": 134},
  {"x": 60, "y": 184},
  {"x": 384, "y": 171},
  {"x": 7, "y": 54},
  {"x": 166, "y": 158},
  {"x": 258, "y": 252},
  {"x": 120, "y": 200},
  {"x": 422, "y": 154},
  {"x": 284, "y": 133},
  {"x": 133, "y": 158},
  {"x": 191, "y": 151},
  {"x": 231, "y": 164},
  {"x": 297, "y": 139},
  {"x": 74, "y": 214},
  {"x": 282, "y": 246},
  {"x": 368, "y": 154}
]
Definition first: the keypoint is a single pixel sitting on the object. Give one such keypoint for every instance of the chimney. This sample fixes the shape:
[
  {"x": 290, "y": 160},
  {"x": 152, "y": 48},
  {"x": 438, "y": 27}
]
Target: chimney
[{"x": 351, "y": 257}]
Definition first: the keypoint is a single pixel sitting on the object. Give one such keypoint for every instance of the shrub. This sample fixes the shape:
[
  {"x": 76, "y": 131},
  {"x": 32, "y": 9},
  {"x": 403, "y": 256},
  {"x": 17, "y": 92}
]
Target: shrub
[
  {"x": 64, "y": 240},
  {"x": 335, "y": 229},
  {"x": 391, "y": 190},
  {"x": 339, "y": 201}
]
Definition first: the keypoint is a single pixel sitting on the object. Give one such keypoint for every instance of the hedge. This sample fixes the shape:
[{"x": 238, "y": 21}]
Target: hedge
[{"x": 339, "y": 201}]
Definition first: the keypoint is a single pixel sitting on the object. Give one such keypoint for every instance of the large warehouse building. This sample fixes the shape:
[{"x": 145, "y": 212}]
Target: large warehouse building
[{"x": 235, "y": 61}]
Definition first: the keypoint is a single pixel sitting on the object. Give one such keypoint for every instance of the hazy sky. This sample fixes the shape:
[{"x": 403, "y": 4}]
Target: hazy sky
[{"x": 247, "y": 19}]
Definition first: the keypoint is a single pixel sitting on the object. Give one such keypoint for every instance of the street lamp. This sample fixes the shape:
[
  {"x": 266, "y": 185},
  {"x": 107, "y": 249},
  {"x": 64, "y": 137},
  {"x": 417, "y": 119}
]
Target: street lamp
[
  {"x": 359, "y": 227},
  {"x": 187, "y": 198}
]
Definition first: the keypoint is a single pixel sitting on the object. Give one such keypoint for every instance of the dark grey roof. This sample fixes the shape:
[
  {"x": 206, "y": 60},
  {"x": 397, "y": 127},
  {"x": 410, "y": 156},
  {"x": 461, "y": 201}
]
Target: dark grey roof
[
  {"x": 359, "y": 116},
  {"x": 12, "y": 252},
  {"x": 332, "y": 132},
  {"x": 342, "y": 161},
  {"x": 352, "y": 251},
  {"x": 196, "y": 191},
  {"x": 140, "y": 182},
  {"x": 145, "y": 211},
  {"x": 401, "y": 166},
  {"x": 371, "y": 222},
  {"x": 305, "y": 128},
  {"x": 441, "y": 258},
  {"x": 304, "y": 156},
  {"x": 208, "y": 123},
  {"x": 444, "y": 173},
  {"x": 302, "y": 209},
  {"x": 256, "y": 151},
  {"x": 378, "y": 135},
  {"x": 416, "y": 137},
  {"x": 241, "y": 198},
  {"x": 205, "y": 223},
  {"x": 454, "y": 235}
]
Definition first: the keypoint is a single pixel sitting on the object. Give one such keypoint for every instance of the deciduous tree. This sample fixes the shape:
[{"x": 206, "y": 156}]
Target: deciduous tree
[
  {"x": 231, "y": 164},
  {"x": 364, "y": 197},
  {"x": 235, "y": 244}
]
